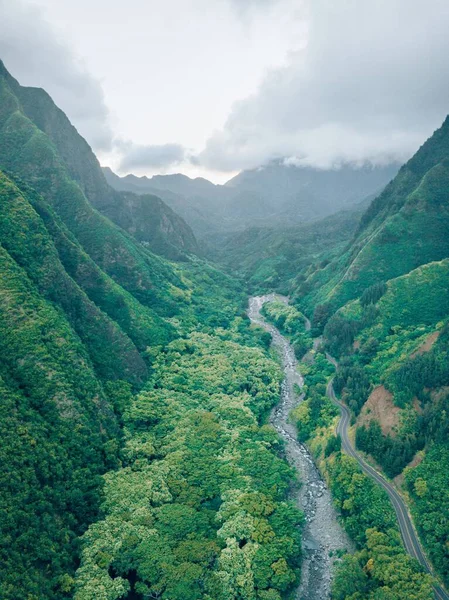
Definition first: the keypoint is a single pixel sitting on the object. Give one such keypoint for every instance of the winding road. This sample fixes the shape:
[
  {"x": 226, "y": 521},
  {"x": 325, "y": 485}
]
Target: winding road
[
  {"x": 409, "y": 536},
  {"x": 323, "y": 532}
]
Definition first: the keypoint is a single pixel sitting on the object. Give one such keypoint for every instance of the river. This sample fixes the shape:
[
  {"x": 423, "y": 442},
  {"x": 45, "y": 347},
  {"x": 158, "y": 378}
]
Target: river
[{"x": 322, "y": 536}]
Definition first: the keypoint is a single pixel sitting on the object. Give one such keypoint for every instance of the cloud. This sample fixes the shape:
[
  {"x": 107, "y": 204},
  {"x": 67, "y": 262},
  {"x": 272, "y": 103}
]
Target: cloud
[
  {"x": 242, "y": 5},
  {"x": 150, "y": 157},
  {"x": 34, "y": 54},
  {"x": 371, "y": 83}
]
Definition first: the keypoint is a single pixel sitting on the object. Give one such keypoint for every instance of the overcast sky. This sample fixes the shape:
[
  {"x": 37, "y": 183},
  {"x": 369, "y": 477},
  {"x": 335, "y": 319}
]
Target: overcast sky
[{"x": 210, "y": 87}]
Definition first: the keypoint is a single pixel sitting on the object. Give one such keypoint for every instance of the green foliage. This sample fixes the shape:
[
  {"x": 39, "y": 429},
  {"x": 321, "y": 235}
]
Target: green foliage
[
  {"x": 380, "y": 567},
  {"x": 419, "y": 373},
  {"x": 285, "y": 316},
  {"x": 405, "y": 227},
  {"x": 291, "y": 323},
  {"x": 374, "y": 293},
  {"x": 428, "y": 486},
  {"x": 381, "y": 571},
  {"x": 25, "y": 236},
  {"x": 321, "y": 315},
  {"x": 333, "y": 445},
  {"x": 316, "y": 410},
  {"x": 27, "y": 152},
  {"x": 353, "y": 384},
  {"x": 55, "y": 425},
  {"x": 340, "y": 334},
  {"x": 393, "y": 453},
  {"x": 406, "y": 349},
  {"x": 198, "y": 509}
]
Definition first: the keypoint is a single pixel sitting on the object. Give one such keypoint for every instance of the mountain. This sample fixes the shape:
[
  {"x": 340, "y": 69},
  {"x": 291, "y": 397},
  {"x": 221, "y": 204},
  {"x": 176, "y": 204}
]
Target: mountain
[
  {"x": 276, "y": 195},
  {"x": 145, "y": 217},
  {"x": 82, "y": 303},
  {"x": 302, "y": 193},
  {"x": 194, "y": 211},
  {"x": 405, "y": 226},
  {"x": 382, "y": 306},
  {"x": 279, "y": 259},
  {"x": 134, "y": 393}
]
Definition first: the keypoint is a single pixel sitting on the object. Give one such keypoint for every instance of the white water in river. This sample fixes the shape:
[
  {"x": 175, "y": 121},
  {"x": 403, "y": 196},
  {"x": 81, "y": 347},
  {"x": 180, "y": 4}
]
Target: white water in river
[{"x": 322, "y": 535}]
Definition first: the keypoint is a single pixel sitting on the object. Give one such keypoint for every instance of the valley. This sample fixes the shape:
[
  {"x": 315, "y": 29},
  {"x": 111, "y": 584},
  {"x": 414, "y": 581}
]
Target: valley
[
  {"x": 161, "y": 437},
  {"x": 323, "y": 536}
]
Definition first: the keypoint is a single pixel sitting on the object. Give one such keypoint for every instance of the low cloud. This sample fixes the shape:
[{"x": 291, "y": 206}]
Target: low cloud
[
  {"x": 150, "y": 157},
  {"x": 34, "y": 54},
  {"x": 371, "y": 83},
  {"x": 242, "y": 5}
]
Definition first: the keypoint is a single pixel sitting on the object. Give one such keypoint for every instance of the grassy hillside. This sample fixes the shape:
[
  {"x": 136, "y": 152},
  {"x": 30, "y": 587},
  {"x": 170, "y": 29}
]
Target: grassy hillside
[{"x": 406, "y": 226}]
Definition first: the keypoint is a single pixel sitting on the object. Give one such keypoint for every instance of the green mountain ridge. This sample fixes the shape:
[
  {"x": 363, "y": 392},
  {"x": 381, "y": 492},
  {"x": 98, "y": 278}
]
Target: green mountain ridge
[
  {"x": 406, "y": 226},
  {"x": 275, "y": 195},
  {"x": 124, "y": 378},
  {"x": 165, "y": 232},
  {"x": 384, "y": 307}
]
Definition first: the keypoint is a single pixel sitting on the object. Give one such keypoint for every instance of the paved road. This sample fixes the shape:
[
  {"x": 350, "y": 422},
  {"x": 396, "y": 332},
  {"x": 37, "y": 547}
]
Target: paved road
[{"x": 408, "y": 532}]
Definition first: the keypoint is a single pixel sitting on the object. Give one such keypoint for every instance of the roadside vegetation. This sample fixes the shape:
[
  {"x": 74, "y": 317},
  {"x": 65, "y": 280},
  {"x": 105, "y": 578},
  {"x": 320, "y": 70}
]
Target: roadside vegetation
[
  {"x": 291, "y": 323},
  {"x": 380, "y": 568}
]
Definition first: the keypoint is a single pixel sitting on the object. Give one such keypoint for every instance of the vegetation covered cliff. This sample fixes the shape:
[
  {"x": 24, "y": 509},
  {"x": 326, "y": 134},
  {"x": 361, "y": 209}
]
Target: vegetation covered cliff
[
  {"x": 134, "y": 394},
  {"x": 383, "y": 308}
]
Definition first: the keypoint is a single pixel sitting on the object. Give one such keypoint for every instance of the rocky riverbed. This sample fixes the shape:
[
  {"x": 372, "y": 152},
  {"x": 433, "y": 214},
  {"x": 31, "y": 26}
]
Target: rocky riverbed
[{"x": 323, "y": 536}]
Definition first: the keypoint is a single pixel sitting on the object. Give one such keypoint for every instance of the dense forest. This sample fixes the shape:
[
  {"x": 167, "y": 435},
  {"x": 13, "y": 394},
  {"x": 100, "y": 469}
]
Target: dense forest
[
  {"x": 380, "y": 567},
  {"x": 197, "y": 509}
]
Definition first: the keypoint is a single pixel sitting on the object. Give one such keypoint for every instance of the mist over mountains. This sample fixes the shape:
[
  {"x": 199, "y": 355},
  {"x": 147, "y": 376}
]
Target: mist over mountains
[{"x": 275, "y": 195}]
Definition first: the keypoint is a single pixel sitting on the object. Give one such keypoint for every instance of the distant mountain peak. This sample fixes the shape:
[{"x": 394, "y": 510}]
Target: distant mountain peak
[{"x": 273, "y": 195}]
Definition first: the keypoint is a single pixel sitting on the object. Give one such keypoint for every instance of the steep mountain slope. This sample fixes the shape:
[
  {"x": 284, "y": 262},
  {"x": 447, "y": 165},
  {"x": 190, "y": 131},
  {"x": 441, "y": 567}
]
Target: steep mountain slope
[
  {"x": 26, "y": 238},
  {"x": 27, "y": 152},
  {"x": 125, "y": 380},
  {"x": 406, "y": 226},
  {"x": 395, "y": 378},
  {"x": 384, "y": 307},
  {"x": 276, "y": 195},
  {"x": 179, "y": 192},
  {"x": 154, "y": 222}
]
